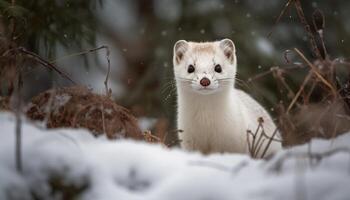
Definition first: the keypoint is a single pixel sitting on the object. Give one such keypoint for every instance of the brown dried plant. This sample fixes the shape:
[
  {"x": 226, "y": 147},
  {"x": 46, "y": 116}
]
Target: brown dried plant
[
  {"x": 259, "y": 142},
  {"x": 78, "y": 107},
  {"x": 320, "y": 107}
]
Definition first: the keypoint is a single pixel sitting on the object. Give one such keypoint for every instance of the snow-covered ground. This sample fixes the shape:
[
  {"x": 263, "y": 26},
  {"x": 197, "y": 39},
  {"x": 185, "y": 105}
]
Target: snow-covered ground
[{"x": 128, "y": 170}]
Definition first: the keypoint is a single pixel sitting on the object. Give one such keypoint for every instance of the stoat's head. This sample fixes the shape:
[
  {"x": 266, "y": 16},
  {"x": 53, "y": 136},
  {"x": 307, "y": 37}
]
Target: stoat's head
[{"x": 205, "y": 68}]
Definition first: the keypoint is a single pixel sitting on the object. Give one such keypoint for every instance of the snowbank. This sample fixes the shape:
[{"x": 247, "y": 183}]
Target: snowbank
[{"x": 102, "y": 169}]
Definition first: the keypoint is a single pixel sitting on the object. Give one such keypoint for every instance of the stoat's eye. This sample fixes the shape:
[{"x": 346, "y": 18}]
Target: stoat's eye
[
  {"x": 190, "y": 69},
  {"x": 218, "y": 68}
]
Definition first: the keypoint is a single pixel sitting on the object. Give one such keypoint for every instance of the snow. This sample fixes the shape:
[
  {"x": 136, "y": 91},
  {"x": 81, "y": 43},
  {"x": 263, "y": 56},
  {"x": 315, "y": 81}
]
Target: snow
[
  {"x": 265, "y": 46},
  {"x": 130, "y": 170}
]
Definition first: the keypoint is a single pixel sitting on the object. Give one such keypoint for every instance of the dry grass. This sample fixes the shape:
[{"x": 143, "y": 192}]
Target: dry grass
[
  {"x": 320, "y": 107},
  {"x": 79, "y": 107},
  {"x": 5, "y": 103},
  {"x": 259, "y": 142}
]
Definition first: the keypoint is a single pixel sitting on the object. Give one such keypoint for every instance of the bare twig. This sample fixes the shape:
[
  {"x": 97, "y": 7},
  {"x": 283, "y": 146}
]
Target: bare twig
[
  {"x": 103, "y": 119},
  {"x": 285, "y": 55},
  {"x": 307, "y": 28},
  {"x": 260, "y": 75},
  {"x": 13, "y": 24},
  {"x": 279, "y": 75},
  {"x": 286, "y": 6},
  {"x": 273, "y": 69},
  {"x": 45, "y": 63},
  {"x": 49, "y": 106},
  {"x": 255, "y": 145},
  {"x": 319, "y": 27},
  {"x": 316, "y": 72},
  {"x": 306, "y": 80},
  {"x": 17, "y": 97},
  {"x": 18, "y": 106},
  {"x": 108, "y": 90},
  {"x": 149, "y": 137},
  {"x": 269, "y": 143},
  {"x": 78, "y": 54},
  {"x": 259, "y": 141},
  {"x": 258, "y": 148},
  {"x": 318, "y": 88},
  {"x": 248, "y": 141}
]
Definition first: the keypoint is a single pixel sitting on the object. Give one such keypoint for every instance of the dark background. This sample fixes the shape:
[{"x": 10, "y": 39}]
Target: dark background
[{"x": 141, "y": 34}]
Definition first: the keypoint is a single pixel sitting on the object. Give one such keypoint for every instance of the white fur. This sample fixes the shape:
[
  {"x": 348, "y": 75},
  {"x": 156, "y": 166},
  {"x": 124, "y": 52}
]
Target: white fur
[{"x": 216, "y": 118}]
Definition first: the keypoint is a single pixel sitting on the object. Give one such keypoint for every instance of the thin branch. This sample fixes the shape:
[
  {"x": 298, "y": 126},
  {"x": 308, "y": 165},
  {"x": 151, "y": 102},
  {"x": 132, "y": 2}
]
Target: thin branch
[
  {"x": 258, "y": 148},
  {"x": 319, "y": 28},
  {"x": 269, "y": 143},
  {"x": 317, "y": 73},
  {"x": 48, "y": 108},
  {"x": 286, "y": 6},
  {"x": 278, "y": 74},
  {"x": 272, "y": 137},
  {"x": 18, "y": 128},
  {"x": 306, "y": 80},
  {"x": 255, "y": 146},
  {"x": 307, "y": 28},
  {"x": 45, "y": 63},
  {"x": 78, "y": 54},
  {"x": 258, "y": 142},
  {"x": 103, "y": 119},
  {"x": 285, "y": 55},
  {"x": 18, "y": 134},
  {"x": 249, "y": 143},
  {"x": 262, "y": 74},
  {"x": 108, "y": 90}
]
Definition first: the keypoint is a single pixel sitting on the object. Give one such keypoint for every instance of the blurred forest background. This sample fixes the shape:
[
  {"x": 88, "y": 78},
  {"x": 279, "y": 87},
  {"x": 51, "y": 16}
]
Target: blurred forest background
[{"x": 141, "y": 34}]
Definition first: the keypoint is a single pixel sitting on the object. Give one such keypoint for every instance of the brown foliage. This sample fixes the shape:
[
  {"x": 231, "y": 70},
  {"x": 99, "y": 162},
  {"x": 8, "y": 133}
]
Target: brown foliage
[
  {"x": 5, "y": 103},
  {"x": 78, "y": 107},
  {"x": 320, "y": 107},
  {"x": 256, "y": 140},
  {"x": 324, "y": 119}
]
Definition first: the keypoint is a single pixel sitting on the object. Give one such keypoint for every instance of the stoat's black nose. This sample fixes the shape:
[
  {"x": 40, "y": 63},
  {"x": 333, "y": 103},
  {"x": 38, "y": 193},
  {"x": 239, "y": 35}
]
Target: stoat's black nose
[{"x": 205, "y": 82}]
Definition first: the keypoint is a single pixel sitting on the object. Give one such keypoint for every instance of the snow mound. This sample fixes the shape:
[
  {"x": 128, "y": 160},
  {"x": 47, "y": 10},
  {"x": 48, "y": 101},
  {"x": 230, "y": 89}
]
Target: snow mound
[{"x": 86, "y": 167}]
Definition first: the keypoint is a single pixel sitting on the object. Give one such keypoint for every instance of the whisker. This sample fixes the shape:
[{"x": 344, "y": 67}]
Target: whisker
[
  {"x": 166, "y": 88},
  {"x": 169, "y": 83},
  {"x": 172, "y": 91},
  {"x": 168, "y": 92},
  {"x": 242, "y": 83},
  {"x": 237, "y": 80},
  {"x": 222, "y": 79},
  {"x": 187, "y": 79}
]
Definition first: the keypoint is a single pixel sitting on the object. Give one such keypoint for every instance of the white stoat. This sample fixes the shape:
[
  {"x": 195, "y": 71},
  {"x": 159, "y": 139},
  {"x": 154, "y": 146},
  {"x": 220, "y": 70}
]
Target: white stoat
[{"x": 212, "y": 114}]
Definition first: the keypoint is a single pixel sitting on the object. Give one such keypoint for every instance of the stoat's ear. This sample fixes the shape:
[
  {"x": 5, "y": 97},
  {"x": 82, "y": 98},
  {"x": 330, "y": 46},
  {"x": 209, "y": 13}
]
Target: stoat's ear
[
  {"x": 228, "y": 48},
  {"x": 180, "y": 49}
]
